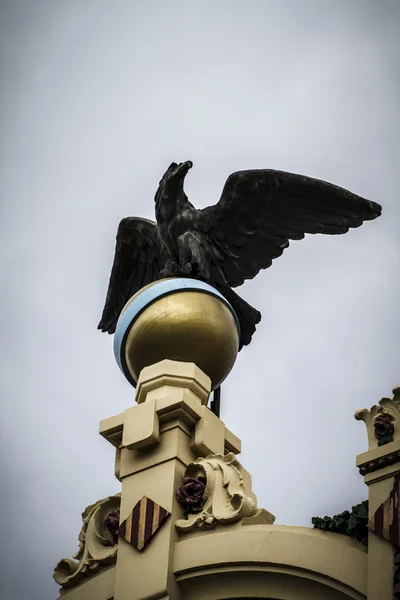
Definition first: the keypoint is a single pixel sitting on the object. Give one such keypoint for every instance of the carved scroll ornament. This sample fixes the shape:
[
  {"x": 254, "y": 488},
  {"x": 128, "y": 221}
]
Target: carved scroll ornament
[
  {"x": 97, "y": 543},
  {"x": 382, "y": 420},
  {"x": 227, "y": 496}
]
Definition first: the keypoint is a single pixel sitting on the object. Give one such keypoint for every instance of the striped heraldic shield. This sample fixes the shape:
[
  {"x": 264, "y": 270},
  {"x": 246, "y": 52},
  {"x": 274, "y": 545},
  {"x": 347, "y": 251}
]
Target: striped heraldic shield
[{"x": 145, "y": 520}]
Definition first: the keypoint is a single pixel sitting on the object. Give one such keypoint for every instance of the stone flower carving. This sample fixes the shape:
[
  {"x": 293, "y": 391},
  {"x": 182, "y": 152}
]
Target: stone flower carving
[
  {"x": 190, "y": 494},
  {"x": 384, "y": 428},
  {"x": 111, "y": 523},
  {"x": 191, "y": 491},
  {"x": 226, "y": 497},
  {"x": 97, "y": 543}
]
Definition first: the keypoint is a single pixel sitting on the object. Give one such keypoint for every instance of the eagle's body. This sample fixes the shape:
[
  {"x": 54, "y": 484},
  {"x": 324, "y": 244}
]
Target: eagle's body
[{"x": 258, "y": 213}]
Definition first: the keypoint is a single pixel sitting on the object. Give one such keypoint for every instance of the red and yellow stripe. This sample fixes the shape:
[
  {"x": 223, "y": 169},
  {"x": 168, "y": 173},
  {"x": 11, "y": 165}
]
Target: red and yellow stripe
[
  {"x": 386, "y": 521},
  {"x": 143, "y": 523}
]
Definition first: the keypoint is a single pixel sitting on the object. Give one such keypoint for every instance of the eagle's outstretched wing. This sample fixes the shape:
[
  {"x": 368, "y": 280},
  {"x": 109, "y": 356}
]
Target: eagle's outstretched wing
[
  {"x": 261, "y": 210},
  {"x": 137, "y": 262}
]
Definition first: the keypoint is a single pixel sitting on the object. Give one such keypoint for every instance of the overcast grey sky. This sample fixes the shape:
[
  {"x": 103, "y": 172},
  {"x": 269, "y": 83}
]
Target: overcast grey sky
[{"x": 97, "y": 98}]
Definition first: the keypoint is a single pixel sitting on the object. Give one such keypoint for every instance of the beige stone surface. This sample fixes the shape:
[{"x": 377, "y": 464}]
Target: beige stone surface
[
  {"x": 161, "y": 378},
  {"x": 98, "y": 587},
  {"x": 377, "y": 452},
  {"x": 282, "y": 583},
  {"x": 273, "y": 561},
  {"x": 148, "y": 574},
  {"x": 157, "y": 441}
]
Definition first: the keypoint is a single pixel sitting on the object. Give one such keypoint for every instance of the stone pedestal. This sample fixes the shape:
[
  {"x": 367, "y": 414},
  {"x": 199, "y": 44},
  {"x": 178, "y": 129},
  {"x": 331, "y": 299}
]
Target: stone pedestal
[{"x": 169, "y": 428}]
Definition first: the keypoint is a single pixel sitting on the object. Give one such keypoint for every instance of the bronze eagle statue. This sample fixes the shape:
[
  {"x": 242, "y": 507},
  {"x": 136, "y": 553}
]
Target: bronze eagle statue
[{"x": 258, "y": 213}]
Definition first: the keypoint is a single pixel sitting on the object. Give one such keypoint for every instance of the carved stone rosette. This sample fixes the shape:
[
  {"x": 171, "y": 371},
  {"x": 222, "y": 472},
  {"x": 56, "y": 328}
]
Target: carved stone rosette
[
  {"x": 382, "y": 420},
  {"x": 97, "y": 544},
  {"x": 228, "y": 496}
]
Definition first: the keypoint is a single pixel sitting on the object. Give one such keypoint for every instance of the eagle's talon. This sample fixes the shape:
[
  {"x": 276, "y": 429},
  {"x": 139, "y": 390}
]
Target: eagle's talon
[
  {"x": 185, "y": 268},
  {"x": 170, "y": 270}
]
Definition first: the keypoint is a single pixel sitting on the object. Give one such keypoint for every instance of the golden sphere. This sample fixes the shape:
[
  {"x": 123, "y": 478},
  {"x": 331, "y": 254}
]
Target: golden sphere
[{"x": 178, "y": 319}]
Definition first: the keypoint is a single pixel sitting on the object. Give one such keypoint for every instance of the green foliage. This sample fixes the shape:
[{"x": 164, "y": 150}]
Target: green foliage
[{"x": 354, "y": 523}]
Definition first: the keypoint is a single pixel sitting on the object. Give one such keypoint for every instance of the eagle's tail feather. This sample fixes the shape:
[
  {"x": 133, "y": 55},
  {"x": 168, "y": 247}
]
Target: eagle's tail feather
[{"x": 247, "y": 315}]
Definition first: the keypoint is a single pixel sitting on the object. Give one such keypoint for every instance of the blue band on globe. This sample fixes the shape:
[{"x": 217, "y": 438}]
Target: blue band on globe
[{"x": 163, "y": 288}]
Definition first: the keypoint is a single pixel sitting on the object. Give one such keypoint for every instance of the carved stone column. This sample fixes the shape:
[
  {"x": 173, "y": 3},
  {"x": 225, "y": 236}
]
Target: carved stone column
[
  {"x": 169, "y": 428},
  {"x": 380, "y": 465}
]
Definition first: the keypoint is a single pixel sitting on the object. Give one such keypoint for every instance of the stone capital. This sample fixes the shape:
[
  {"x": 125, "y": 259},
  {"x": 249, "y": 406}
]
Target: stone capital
[
  {"x": 170, "y": 396},
  {"x": 160, "y": 379}
]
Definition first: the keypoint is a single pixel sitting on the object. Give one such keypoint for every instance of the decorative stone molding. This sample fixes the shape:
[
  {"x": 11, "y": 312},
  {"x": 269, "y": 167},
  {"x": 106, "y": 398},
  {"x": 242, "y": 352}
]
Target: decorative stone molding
[
  {"x": 97, "y": 543},
  {"x": 140, "y": 427},
  {"x": 382, "y": 420},
  {"x": 380, "y": 463},
  {"x": 227, "y": 496},
  {"x": 157, "y": 381}
]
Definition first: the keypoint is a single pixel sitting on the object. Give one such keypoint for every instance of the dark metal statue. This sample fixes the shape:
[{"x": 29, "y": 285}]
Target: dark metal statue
[{"x": 225, "y": 244}]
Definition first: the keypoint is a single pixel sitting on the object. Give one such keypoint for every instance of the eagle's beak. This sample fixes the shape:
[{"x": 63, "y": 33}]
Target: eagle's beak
[
  {"x": 173, "y": 179},
  {"x": 183, "y": 168}
]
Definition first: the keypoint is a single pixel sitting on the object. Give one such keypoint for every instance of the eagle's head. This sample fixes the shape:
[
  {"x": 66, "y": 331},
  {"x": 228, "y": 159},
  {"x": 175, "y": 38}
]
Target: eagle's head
[{"x": 171, "y": 184}]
